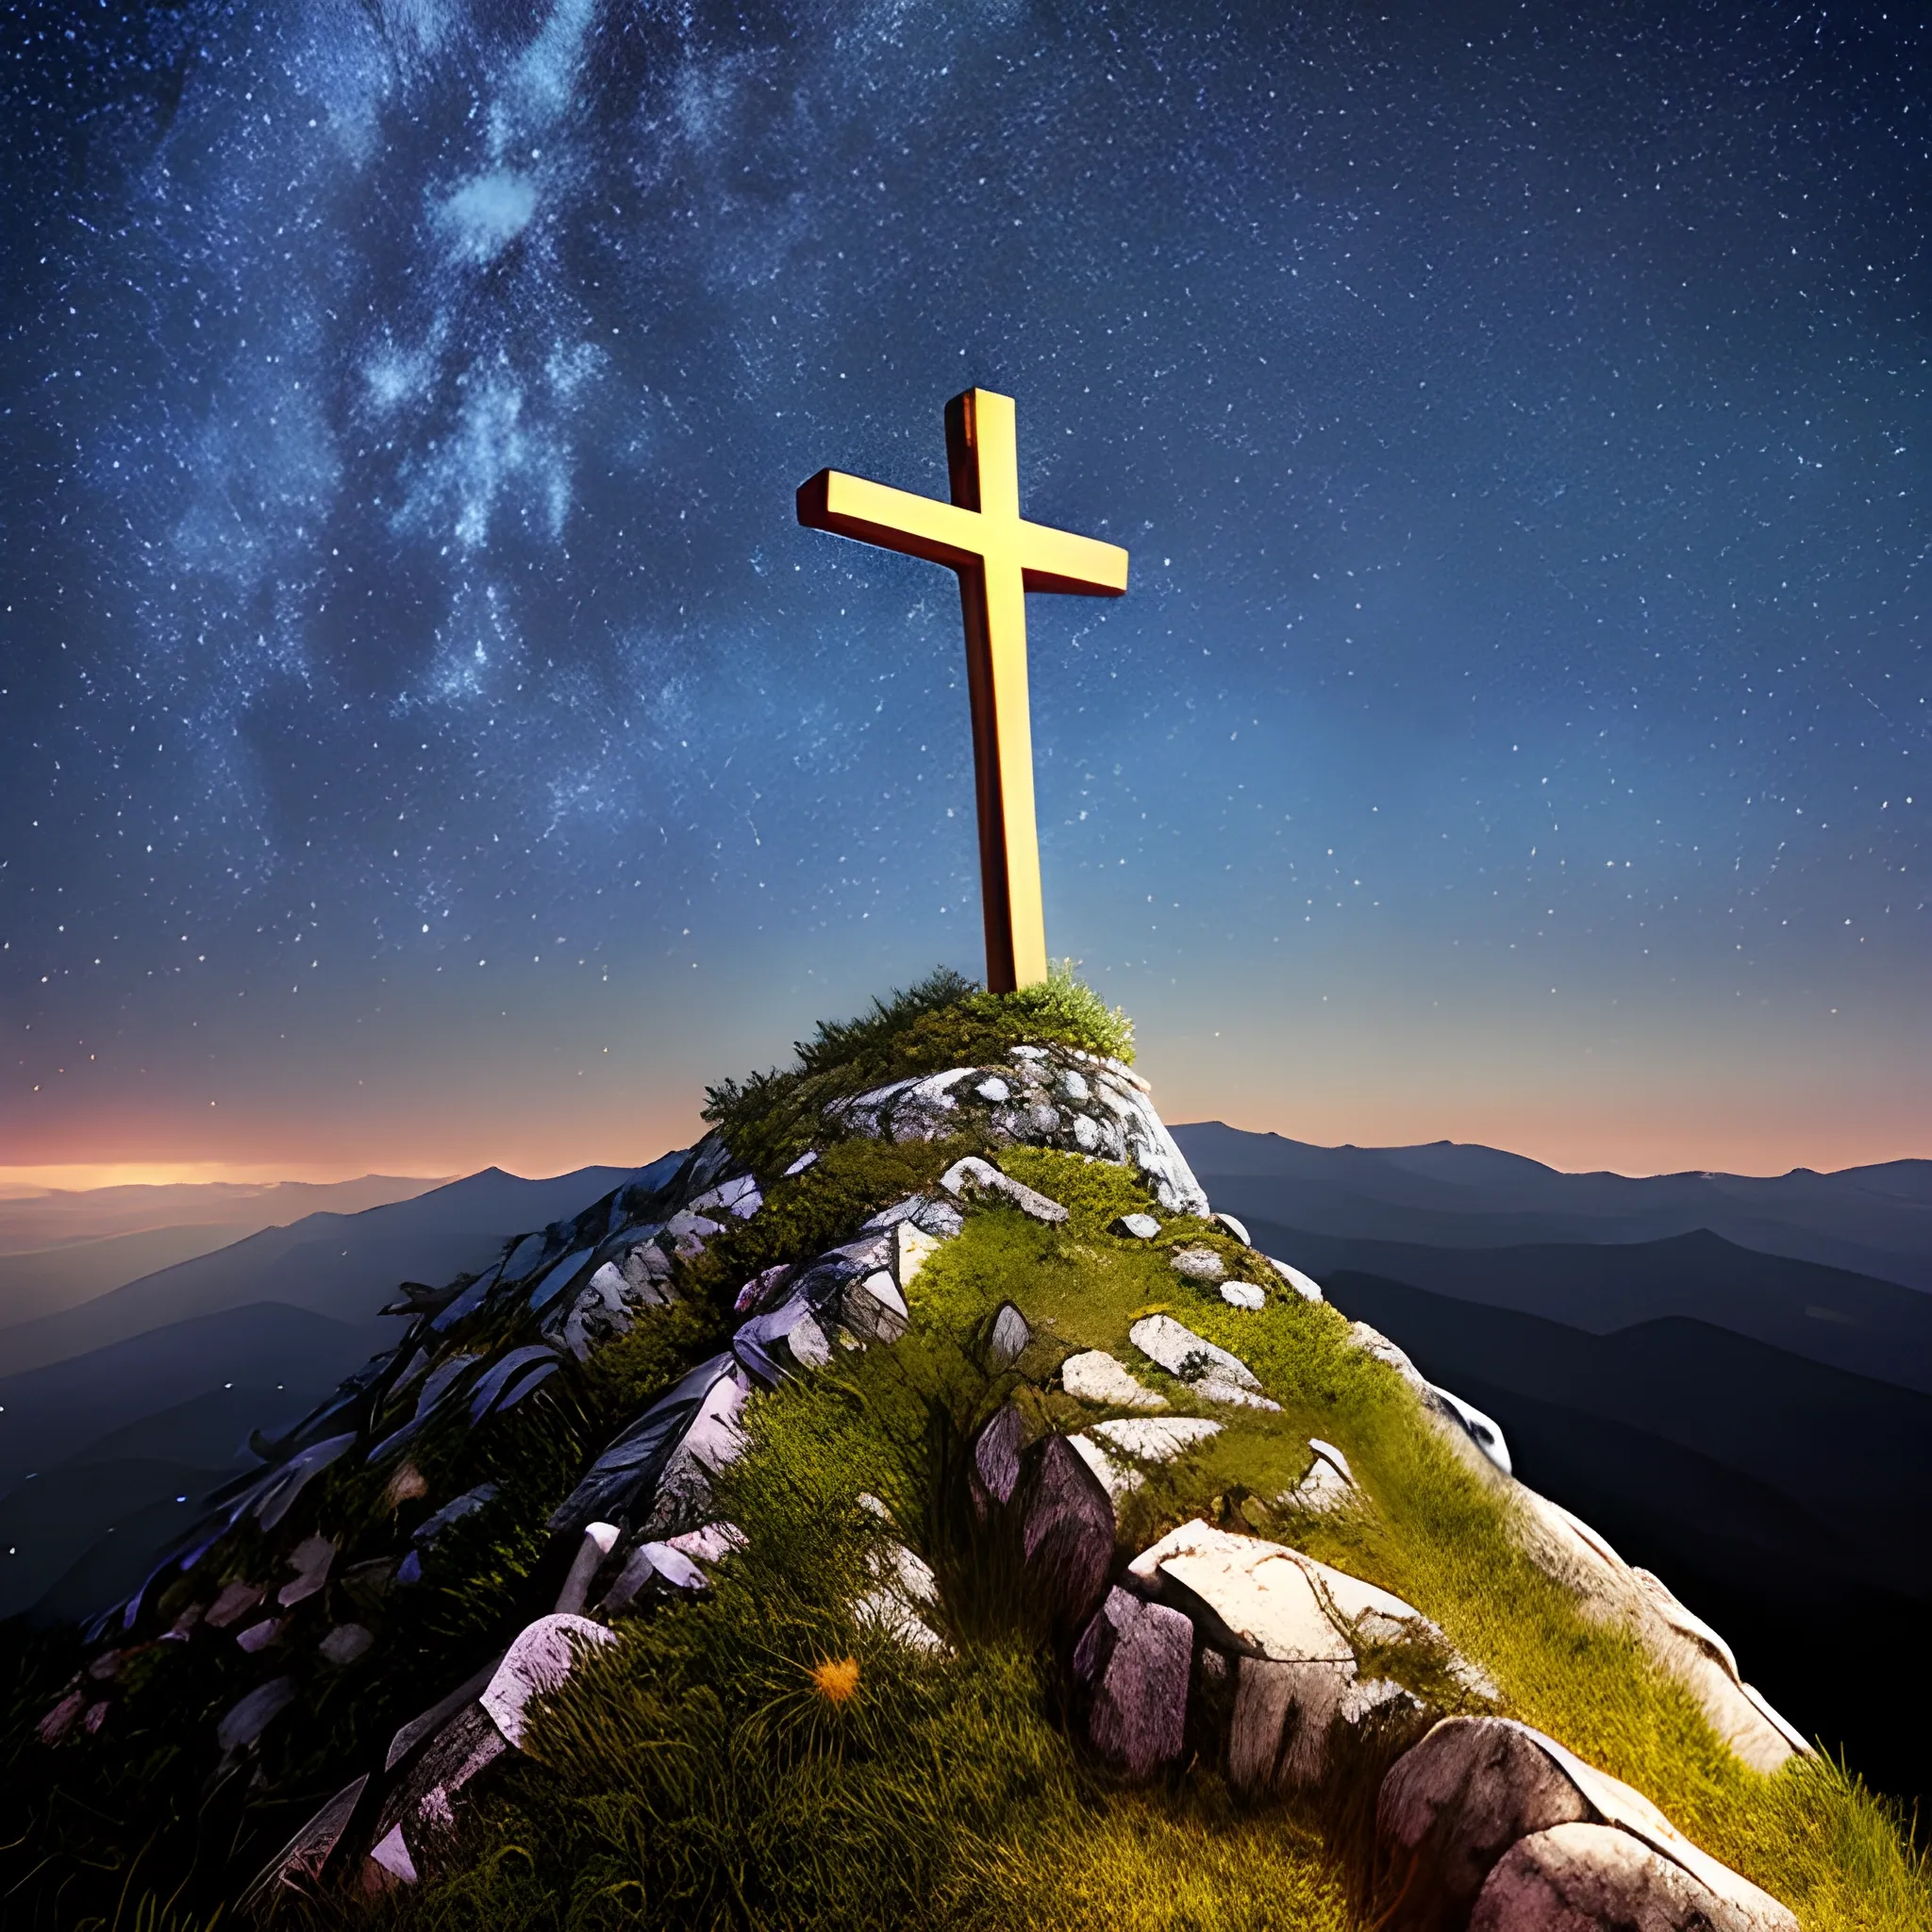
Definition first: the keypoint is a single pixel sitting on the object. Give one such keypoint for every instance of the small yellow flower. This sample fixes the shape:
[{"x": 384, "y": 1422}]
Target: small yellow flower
[{"x": 837, "y": 1678}]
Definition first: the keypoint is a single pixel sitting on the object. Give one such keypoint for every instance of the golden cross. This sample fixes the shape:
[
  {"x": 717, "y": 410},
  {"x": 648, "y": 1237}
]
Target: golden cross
[{"x": 999, "y": 557}]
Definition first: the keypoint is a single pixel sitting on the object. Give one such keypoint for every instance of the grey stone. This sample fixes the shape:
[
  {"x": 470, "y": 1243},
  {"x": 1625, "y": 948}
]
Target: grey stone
[
  {"x": 556, "y": 1278},
  {"x": 973, "y": 1175},
  {"x": 1135, "y": 1661},
  {"x": 1198, "y": 1264},
  {"x": 453, "y": 1510},
  {"x": 502, "y": 1373},
  {"x": 300, "y": 1861},
  {"x": 1072, "y": 1086},
  {"x": 1184, "y": 1354},
  {"x": 1087, "y": 1137},
  {"x": 439, "y": 1714},
  {"x": 1143, "y": 1227},
  {"x": 278, "y": 1495},
  {"x": 1283, "y": 1709},
  {"x": 804, "y": 1161},
  {"x": 1010, "y": 1337},
  {"x": 1066, "y": 1532},
  {"x": 996, "y": 1456},
  {"x": 1243, "y": 1295},
  {"x": 245, "y": 1722},
  {"x": 1485, "y": 1433},
  {"x": 599, "y": 1539},
  {"x": 1095, "y": 1375},
  {"x": 391, "y": 1852},
  {"x": 311, "y": 1560},
  {"x": 1578, "y": 1878},
  {"x": 1305, "y": 1285},
  {"x": 789, "y": 1339},
  {"x": 1157, "y": 1438},
  {"x": 543, "y": 1655},
  {"x": 1451, "y": 1805},
  {"x": 993, "y": 1088},
  {"x": 345, "y": 1644},
  {"x": 631, "y": 1468}
]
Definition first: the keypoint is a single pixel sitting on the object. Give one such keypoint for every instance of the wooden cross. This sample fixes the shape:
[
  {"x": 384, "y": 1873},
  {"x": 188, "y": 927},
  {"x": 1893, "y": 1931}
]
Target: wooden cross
[{"x": 998, "y": 557}]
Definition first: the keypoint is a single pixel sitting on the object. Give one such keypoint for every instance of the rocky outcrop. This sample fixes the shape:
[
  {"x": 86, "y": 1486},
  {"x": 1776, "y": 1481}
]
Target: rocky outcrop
[{"x": 1489, "y": 1823}]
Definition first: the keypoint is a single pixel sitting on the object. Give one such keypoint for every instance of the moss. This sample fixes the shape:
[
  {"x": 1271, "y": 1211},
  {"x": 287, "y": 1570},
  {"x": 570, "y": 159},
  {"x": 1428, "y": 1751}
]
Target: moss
[{"x": 770, "y": 1119}]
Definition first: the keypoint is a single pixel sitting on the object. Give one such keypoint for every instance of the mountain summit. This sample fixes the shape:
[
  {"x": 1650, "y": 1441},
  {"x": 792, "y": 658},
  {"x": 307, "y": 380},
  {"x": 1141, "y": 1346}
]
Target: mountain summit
[{"x": 921, "y": 1508}]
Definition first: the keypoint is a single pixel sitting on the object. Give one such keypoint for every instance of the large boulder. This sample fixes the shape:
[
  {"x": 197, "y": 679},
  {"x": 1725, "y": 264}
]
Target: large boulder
[
  {"x": 1595, "y": 1878},
  {"x": 1134, "y": 1660},
  {"x": 1451, "y": 1809},
  {"x": 1066, "y": 1532}
]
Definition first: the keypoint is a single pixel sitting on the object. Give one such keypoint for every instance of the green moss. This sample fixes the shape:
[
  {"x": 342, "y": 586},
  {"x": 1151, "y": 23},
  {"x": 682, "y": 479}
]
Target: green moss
[{"x": 770, "y": 1119}]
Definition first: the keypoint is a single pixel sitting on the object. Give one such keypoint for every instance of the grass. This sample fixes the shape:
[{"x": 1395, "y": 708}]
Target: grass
[
  {"x": 763, "y": 1757},
  {"x": 698, "y": 1775}
]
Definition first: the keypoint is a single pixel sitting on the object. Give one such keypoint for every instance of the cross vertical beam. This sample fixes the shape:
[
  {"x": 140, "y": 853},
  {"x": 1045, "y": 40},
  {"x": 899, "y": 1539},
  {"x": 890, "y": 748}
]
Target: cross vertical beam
[{"x": 998, "y": 557}]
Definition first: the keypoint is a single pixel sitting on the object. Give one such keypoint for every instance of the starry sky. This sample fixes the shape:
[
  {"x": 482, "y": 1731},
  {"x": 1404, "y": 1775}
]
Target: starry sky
[{"x": 430, "y": 740}]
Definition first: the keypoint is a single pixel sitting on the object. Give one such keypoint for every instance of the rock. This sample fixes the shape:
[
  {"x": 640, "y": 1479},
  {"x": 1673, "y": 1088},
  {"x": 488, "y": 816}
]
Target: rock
[
  {"x": 59, "y": 1720},
  {"x": 711, "y": 1543},
  {"x": 1278, "y": 1733},
  {"x": 502, "y": 1373},
  {"x": 1066, "y": 1531},
  {"x": 1088, "y": 1133},
  {"x": 1595, "y": 1878},
  {"x": 740, "y": 1196},
  {"x": 453, "y": 1512},
  {"x": 873, "y": 1307},
  {"x": 629, "y": 1471},
  {"x": 1243, "y": 1295},
  {"x": 246, "y": 1721},
  {"x": 1135, "y": 1661},
  {"x": 1156, "y": 1438},
  {"x": 257, "y": 1636},
  {"x": 311, "y": 1559},
  {"x": 391, "y": 1853},
  {"x": 1095, "y": 1377},
  {"x": 1212, "y": 1389},
  {"x": 300, "y": 1861},
  {"x": 904, "y": 1586},
  {"x": 911, "y": 1249},
  {"x": 556, "y": 1278},
  {"x": 1144, "y": 1228},
  {"x": 1010, "y": 1337},
  {"x": 1198, "y": 1264},
  {"x": 537, "y": 1664},
  {"x": 1485, "y": 1433},
  {"x": 1117, "y": 1478},
  {"x": 278, "y": 1497},
  {"x": 993, "y": 1088},
  {"x": 1372, "y": 1341},
  {"x": 1247, "y": 1596},
  {"x": 804, "y": 1161},
  {"x": 1234, "y": 1227},
  {"x": 1328, "y": 1485},
  {"x": 1567, "y": 1548},
  {"x": 1072, "y": 1086},
  {"x": 1451, "y": 1807},
  {"x": 600, "y": 1539},
  {"x": 1309, "y": 1290},
  {"x": 996, "y": 1456},
  {"x": 1183, "y": 1353},
  {"x": 973, "y": 1175},
  {"x": 438, "y": 1715},
  {"x": 345, "y": 1644},
  {"x": 713, "y": 1441},
  {"x": 234, "y": 1603}
]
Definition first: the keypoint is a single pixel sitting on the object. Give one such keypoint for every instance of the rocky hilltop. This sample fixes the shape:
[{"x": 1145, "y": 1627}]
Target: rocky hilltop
[{"x": 921, "y": 1508}]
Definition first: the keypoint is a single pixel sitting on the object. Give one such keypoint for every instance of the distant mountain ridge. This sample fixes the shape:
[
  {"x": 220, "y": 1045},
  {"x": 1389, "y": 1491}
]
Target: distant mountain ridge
[
  {"x": 1874, "y": 1221},
  {"x": 146, "y": 1377}
]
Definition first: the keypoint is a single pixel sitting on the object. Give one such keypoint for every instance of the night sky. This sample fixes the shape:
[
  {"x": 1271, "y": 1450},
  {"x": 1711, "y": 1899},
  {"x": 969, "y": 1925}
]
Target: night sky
[{"x": 428, "y": 738}]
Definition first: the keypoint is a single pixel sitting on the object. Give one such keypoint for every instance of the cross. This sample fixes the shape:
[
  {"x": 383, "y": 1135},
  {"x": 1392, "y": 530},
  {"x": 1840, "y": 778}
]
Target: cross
[{"x": 998, "y": 557}]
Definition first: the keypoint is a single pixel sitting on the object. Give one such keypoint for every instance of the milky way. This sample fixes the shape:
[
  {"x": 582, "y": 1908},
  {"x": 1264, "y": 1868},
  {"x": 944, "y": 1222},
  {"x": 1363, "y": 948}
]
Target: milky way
[{"x": 428, "y": 734}]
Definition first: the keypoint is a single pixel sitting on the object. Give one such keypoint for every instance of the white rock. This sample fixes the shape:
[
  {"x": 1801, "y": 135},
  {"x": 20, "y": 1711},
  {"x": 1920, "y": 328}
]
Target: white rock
[
  {"x": 1198, "y": 1264},
  {"x": 1142, "y": 1227},
  {"x": 1184, "y": 1354},
  {"x": 1484, "y": 1431},
  {"x": 912, "y": 1249},
  {"x": 1243, "y": 1295},
  {"x": 993, "y": 1088},
  {"x": 1306, "y": 1285},
  {"x": 1086, "y": 1133},
  {"x": 392, "y": 1854},
  {"x": 345, "y": 1644},
  {"x": 1156, "y": 1438},
  {"x": 1096, "y": 1377},
  {"x": 1237, "y": 1228},
  {"x": 1117, "y": 1478},
  {"x": 540, "y": 1660},
  {"x": 1072, "y": 1086},
  {"x": 1256, "y": 1590}
]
